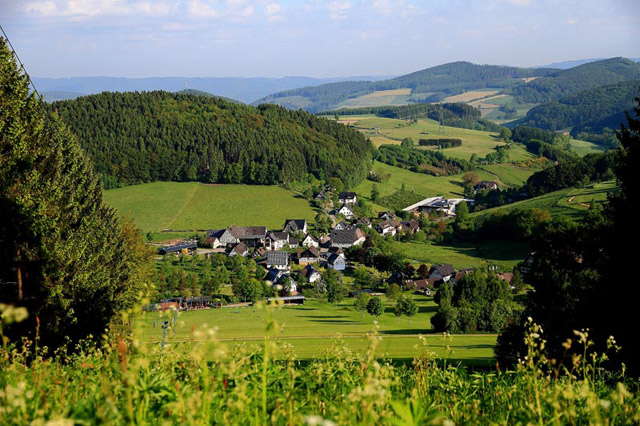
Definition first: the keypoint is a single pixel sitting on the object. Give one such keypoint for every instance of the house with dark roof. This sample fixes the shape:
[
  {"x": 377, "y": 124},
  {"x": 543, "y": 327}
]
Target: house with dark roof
[
  {"x": 445, "y": 272},
  {"x": 388, "y": 227},
  {"x": 276, "y": 240},
  {"x": 310, "y": 274},
  {"x": 293, "y": 226},
  {"x": 310, "y": 255},
  {"x": 213, "y": 238},
  {"x": 322, "y": 196},
  {"x": 239, "y": 249},
  {"x": 259, "y": 253},
  {"x": 410, "y": 226},
  {"x": 347, "y": 238},
  {"x": 485, "y": 185},
  {"x": 336, "y": 262},
  {"x": 364, "y": 222},
  {"x": 343, "y": 225},
  {"x": 277, "y": 259},
  {"x": 347, "y": 197},
  {"x": 386, "y": 215}
]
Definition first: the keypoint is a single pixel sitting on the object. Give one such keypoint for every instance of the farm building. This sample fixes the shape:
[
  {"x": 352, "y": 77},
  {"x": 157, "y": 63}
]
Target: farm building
[
  {"x": 278, "y": 260},
  {"x": 347, "y": 197},
  {"x": 295, "y": 225},
  {"x": 347, "y": 238},
  {"x": 186, "y": 247}
]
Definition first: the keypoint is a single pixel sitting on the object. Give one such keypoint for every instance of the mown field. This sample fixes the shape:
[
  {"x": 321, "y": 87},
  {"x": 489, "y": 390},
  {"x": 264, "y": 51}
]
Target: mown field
[
  {"x": 312, "y": 328},
  {"x": 189, "y": 206},
  {"x": 504, "y": 254},
  {"x": 558, "y": 202}
]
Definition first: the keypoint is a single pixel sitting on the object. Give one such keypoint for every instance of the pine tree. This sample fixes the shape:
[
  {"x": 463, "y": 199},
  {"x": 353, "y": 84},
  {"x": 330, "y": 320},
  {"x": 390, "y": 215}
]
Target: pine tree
[{"x": 75, "y": 264}]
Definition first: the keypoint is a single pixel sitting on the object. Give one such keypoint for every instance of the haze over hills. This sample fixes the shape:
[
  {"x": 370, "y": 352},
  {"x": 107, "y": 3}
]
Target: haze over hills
[
  {"x": 565, "y": 65},
  {"x": 242, "y": 89}
]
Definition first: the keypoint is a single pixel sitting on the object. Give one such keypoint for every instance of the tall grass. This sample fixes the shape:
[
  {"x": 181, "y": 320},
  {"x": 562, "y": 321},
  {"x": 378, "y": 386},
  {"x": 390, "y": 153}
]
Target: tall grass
[{"x": 126, "y": 381}]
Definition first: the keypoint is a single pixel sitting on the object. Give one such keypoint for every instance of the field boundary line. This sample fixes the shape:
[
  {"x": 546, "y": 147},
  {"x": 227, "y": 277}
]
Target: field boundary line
[{"x": 186, "y": 202}]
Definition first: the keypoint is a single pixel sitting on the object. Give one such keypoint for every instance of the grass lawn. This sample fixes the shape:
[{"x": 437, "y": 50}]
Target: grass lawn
[
  {"x": 557, "y": 203},
  {"x": 505, "y": 254},
  {"x": 509, "y": 174},
  {"x": 190, "y": 205},
  {"x": 473, "y": 141},
  {"x": 583, "y": 148},
  {"x": 314, "y": 327}
]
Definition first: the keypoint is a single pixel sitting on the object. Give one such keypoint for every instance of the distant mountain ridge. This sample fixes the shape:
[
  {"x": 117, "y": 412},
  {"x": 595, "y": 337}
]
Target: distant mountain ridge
[
  {"x": 238, "y": 88},
  {"x": 565, "y": 65},
  {"x": 428, "y": 85}
]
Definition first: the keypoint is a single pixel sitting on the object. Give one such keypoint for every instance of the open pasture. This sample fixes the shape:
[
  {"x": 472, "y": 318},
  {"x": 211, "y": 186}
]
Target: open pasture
[
  {"x": 191, "y": 205},
  {"x": 311, "y": 329},
  {"x": 470, "y": 96}
]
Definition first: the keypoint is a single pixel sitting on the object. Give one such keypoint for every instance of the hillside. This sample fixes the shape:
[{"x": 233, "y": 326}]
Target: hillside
[
  {"x": 428, "y": 85},
  {"x": 190, "y": 206},
  {"x": 150, "y": 136},
  {"x": 574, "y": 80},
  {"x": 590, "y": 110}
]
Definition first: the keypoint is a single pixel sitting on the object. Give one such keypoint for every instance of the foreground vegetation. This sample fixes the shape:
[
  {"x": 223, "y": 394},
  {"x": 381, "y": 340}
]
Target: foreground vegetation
[{"x": 212, "y": 381}]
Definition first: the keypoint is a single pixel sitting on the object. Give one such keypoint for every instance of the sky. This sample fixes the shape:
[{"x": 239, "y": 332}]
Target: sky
[{"x": 331, "y": 38}]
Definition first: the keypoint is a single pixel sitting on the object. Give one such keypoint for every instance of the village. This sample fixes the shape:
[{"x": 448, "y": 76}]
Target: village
[{"x": 296, "y": 257}]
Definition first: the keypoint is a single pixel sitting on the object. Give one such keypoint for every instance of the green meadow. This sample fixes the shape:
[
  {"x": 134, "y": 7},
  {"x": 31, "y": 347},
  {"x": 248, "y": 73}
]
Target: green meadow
[
  {"x": 571, "y": 202},
  {"x": 311, "y": 329},
  {"x": 504, "y": 254},
  {"x": 190, "y": 205}
]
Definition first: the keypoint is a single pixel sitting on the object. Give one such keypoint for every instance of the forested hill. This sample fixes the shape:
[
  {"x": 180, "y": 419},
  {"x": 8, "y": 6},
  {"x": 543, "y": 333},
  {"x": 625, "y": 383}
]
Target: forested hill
[
  {"x": 574, "y": 80},
  {"x": 590, "y": 111},
  {"x": 143, "y": 137},
  {"x": 432, "y": 84}
]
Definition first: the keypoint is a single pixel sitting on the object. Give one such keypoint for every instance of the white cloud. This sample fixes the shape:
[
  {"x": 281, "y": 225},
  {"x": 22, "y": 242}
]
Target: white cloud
[
  {"x": 338, "y": 9},
  {"x": 91, "y": 8}
]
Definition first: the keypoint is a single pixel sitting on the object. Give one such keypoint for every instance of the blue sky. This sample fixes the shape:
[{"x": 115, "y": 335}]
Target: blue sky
[{"x": 276, "y": 38}]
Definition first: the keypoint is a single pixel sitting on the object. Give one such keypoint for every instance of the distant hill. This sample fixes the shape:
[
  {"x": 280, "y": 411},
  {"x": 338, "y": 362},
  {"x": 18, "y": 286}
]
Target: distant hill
[
  {"x": 160, "y": 136},
  {"x": 574, "y": 80},
  {"x": 590, "y": 111},
  {"x": 428, "y": 85},
  {"x": 243, "y": 89},
  {"x": 564, "y": 65}
]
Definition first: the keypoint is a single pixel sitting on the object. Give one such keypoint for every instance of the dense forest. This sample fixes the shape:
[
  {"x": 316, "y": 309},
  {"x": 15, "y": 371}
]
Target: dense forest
[
  {"x": 453, "y": 114},
  {"x": 143, "y": 137},
  {"x": 574, "y": 80},
  {"x": 431, "y": 84},
  {"x": 590, "y": 111}
]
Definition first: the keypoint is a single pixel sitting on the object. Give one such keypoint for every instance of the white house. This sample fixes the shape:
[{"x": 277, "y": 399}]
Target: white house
[
  {"x": 309, "y": 241},
  {"x": 346, "y": 212},
  {"x": 336, "y": 262}
]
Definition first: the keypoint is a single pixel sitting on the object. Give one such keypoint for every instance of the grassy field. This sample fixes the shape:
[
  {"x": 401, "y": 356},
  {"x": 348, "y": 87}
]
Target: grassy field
[
  {"x": 379, "y": 98},
  {"x": 557, "y": 203},
  {"x": 470, "y": 96},
  {"x": 312, "y": 328},
  {"x": 189, "y": 206},
  {"x": 430, "y": 186},
  {"x": 583, "y": 148},
  {"x": 505, "y": 254}
]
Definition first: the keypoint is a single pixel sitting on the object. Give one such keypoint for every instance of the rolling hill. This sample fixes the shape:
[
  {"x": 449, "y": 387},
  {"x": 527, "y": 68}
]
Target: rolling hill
[
  {"x": 428, "y": 85},
  {"x": 145, "y": 137},
  {"x": 590, "y": 110},
  {"x": 574, "y": 80}
]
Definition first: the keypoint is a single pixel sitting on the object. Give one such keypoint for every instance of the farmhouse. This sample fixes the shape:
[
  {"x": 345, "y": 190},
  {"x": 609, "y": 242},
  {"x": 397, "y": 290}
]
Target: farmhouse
[
  {"x": 252, "y": 236},
  {"x": 347, "y": 238},
  {"x": 239, "y": 249},
  {"x": 278, "y": 260},
  {"x": 311, "y": 255},
  {"x": 363, "y": 221},
  {"x": 444, "y": 272},
  {"x": 213, "y": 238},
  {"x": 276, "y": 240},
  {"x": 347, "y": 197},
  {"x": 343, "y": 225},
  {"x": 295, "y": 225}
]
